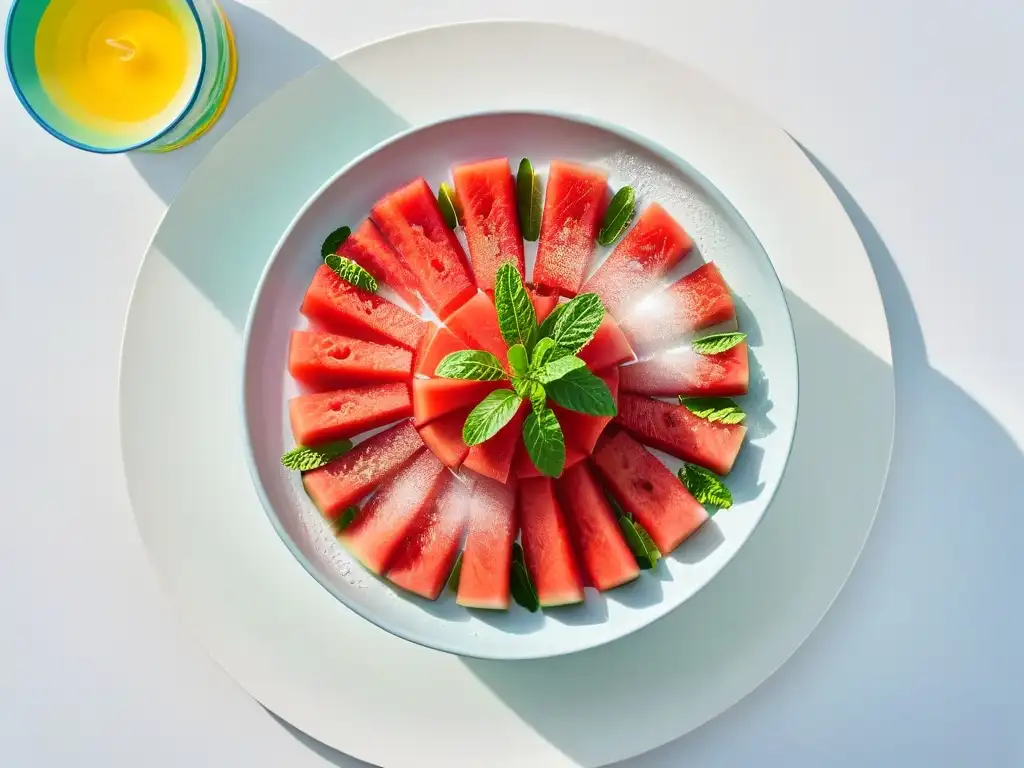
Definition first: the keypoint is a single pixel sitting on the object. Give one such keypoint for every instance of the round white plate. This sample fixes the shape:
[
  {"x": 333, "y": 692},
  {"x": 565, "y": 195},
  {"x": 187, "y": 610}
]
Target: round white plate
[
  {"x": 285, "y": 638},
  {"x": 720, "y": 236}
]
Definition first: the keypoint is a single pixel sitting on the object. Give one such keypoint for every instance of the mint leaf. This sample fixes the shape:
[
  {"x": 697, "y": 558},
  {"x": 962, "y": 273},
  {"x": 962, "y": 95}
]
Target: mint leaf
[
  {"x": 543, "y": 351},
  {"x": 528, "y": 389},
  {"x": 518, "y": 360},
  {"x": 304, "y": 459},
  {"x": 453, "y": 578},
  {"x": 617, "y": 217},
  {"x": 547, "y": 328},
  {"x": 517, "y": 317},
  {"x": 351, "y": 272},
  {"x": 556, "y": 369},
  {"x": 522, "y": 588},
  {"x": 471, "y": 365},
  {"x": 449, "y": 205},
  {"x": 334, "y": 241},
  {"x": 647, "y": 555},
  {"x": 717, "y": 343},
  {"x": 542, "y": 435},
  {"x": 578, "y": 322},
  {"x": 720, "y": 409},
  {"x": 494, "y": 412},
  {"x": 705, "y": 486},
  {"x": 345, "y": 518},
  {"x": 583, "y": 392},
  {"x": 528, "y": 197}
]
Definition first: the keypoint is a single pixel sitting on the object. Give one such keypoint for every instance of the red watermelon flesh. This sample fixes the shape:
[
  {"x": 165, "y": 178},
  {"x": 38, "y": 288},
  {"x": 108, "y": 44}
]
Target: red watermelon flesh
[
  {"x": 697, "y": 301},
  {"x": 547, "y": 548},
  {"x": 432, "y": 398},
  {"x": 608, "y": 347},
  {"x": 574, "y": 205},
  {"x": 412, "y": 222},
  {"x": 606, "y": 558},
  {"x": 341, "y": 306},
  {"x": 324, "y": 360},
  {"x": 368, "y": 248},
  {"x": 544, "y": 301},
  {"x": 424, "y": 561},
  {"x": 325, "y": 416},
  {"x": 490, "y": 218},
  {"x": 582, "y": 431},
  {"x": 676, "y": 431},
  {"x": 493, "y": 458},
  {"x": 444, "y": 437},
  {"x": 347, "y": 479},
  {"x": 524, "y": 467},
  {"x": 383, "y": 523},
  {"x": 654, "y": 245},
  {"x": 437, "y": 343},
  {"x": 648, "y": 490},
  {"x": 476, "y": 324},
  {"x": 688, "y": 373},
  {"x": 487, "y": 556}
]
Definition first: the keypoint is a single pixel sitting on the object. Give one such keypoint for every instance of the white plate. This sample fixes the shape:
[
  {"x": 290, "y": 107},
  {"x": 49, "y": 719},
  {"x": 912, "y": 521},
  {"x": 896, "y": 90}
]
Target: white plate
[{"x": 285, "y": 638}]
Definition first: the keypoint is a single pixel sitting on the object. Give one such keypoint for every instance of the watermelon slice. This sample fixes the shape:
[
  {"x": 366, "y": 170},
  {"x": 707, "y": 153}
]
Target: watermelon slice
[
  {"x": 437, "y": 343},
  {"x": 342, "y": 413},
  {"x": 383, "y": 523},
  {"x": 574, "y": 205},
  {"x": 347, "y": 479},
  {"x": 487, "y": 556},
  {"x": 424, "y": 561},
  {"x": 676, "y": 431},
  {"x": 544, "y": 301},
  {"x": 648, "y": 490},
  {"x": 697, "y": 301},
  {"x": 654, "y": 245},
  {"x": 688, "y": 373},
  {"x": 547, "y": 548},
  {"x": 524, "y": 467},
  {"x": 476, "y": 324},
  {"x": 606, "y": 558},
  {"x": 432, "y": 398},
  {"x": 412, "y": 222},
  {"x": 582, "y": 431},
  {"x": 368, "y": 248},
  {"x": 490, "y": 217},
  {"x": 324, "y": 360},
  {"x": 444, "y": 437},
  {"x": 341, "y": 306},
  {"x": 493, "y": 458},
  {"x": 608, "y": 347}
]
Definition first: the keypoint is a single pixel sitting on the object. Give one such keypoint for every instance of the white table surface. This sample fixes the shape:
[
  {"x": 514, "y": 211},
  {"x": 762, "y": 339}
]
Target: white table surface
[{"x": 916, "y": 110}]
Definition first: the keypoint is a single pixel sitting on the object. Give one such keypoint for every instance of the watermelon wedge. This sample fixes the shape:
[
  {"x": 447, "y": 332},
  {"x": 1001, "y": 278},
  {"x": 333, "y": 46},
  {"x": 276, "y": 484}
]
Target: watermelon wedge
[
  {"x": 606, "y": 558},
  {"x": 547, "y": 548},
  {"x": 688, "y": 373},
  {"x": 523, "y": 465},
  {"x": 697, "y": 301},
  {"x": 368, "y": 248},
  {"x": 424, "y": 561},
  {"x": 608, "y": 347},
  {"x": 676, "y": 431},
  {"x": 437, "y": 343},
  {"x": 443, "y": 436},
  {"x": 490, "y": 216},
  {"x": 544, "y": 301},
  {"x": 347, "y": 479},
  {"x": 476, "y": 324},
  {"x": 487, "y": 556},
  {"x": 324, "y": 360},
  {"x": 383, "y": 523},
  {"x": 341, "y": 306},
  {"x": 648, "y": 490},
  {"x": 432, "y": 398},
  {"x": 582, "y": 431},
  {"x": 342, "y": 413},
  {"x": 493, "y": 458},
  {"x": 654, "y": 245},
  {"x": 574, "y": 205},
  {"x": 412, "y": 222}
]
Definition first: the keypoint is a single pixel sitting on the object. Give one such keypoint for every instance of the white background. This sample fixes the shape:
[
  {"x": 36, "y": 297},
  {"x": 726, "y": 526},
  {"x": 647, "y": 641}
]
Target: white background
[{"x": 915, "y": 109}]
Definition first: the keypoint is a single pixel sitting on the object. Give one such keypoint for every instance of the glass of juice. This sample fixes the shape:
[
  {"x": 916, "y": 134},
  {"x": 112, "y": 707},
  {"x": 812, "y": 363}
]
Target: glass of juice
[{"x": 114, "y": 76}]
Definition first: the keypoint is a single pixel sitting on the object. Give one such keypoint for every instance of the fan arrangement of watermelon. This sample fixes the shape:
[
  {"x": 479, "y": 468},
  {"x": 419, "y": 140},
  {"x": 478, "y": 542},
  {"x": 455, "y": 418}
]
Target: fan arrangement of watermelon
[{"x": 382, "y": 427}]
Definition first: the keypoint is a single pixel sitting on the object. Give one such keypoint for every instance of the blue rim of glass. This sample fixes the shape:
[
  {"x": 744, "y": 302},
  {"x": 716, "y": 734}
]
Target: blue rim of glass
[{"x": 98, "y": 150}]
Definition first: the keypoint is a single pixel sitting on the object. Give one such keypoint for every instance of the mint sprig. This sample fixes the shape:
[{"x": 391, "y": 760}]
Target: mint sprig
[
  {"x": 545, "y": 442},
  {"x": 517, "y": 317},
  {"x": 705, "y": 486},
  {"x": 717, "y": 343},
  {"x": 583, "y": 392},
  {"x": 471, "y": 365},
  {"x": 305, "y": 459},
  {"x": 494, "y": 412},
  {"x": 351, "y": 272},
  {"x": 715, "y": 409},
  {"x": 334, "y": 241},
  {"x": 556, "y": 369},
  {"x": 577, "y": 323}
]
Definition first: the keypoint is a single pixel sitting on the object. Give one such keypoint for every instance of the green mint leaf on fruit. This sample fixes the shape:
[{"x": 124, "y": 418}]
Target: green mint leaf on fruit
[
  {"x": 453, "y": 578},
  {"x": 334, "y": 241},
  {"x": 542, "y": 435},
  {"x": 351, "y": 272},
  {"x": 547, "y": 328},
  {"x": 518, "y": 360},
  {"x": 542, "y": 352},
  {"x": 717, "y": 409},
  {"x": 522, "y": 588},
  {"x": 556, "y": 369},
  {"x": 528, "y": 389},
  {"x": 717, "y": 343},
  {"x": 517, "y": 317},
  {"x": 304, "y": 459},
  {"x": 705, "y": 486},
  {"x": 583, "y": 392},
  {"x": 578, "y": 322},
  {"x": 528, "y": 197},
  {"x": 471, "y": 365},
  {"x": 449, "y": 204},
  {"x": 494, "y": 412},
  {"x": 345, "y": 518},
  {"x": 647, "y": 555},
  {"x": 617, "y": 217}
]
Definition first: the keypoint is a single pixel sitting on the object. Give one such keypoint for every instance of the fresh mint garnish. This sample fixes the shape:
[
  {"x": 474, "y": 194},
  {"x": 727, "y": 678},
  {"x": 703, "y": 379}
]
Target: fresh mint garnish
[
  {"x": 542, "y": 352},
  {"x": 705, "y": 486},
  {"x": 304, "y": 459},
  {"x": 528, "y": 197},
  {"x": 453, "y": 578},
  {"x": 640, "y": 542},
  {"x": 449, "y": 205},
  {"x": 717, "y": 343},
  {"x": 542, "y": 435},
  {"x": 334, "y": 241},
  {"x": 519, "y": 582},
  {"x": 471, "y": 365},
  {"x": 577, "y": 323},
  {"x": 517, "y": 317},
  {"x": 556, "y": 369},
  {"x": 518, "y": 360},
  {"x": 716, "y": 409},
  {"x": 351, "y": 272},
  {"x": 345, "y": 518},
  {"x": 617, "y": 217},
  {"x": 547, "y": 328},
  {"x": 583, "y": 392},
  {"x": 494, "y": 412},
  {"x": 528, "y": 389}
]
